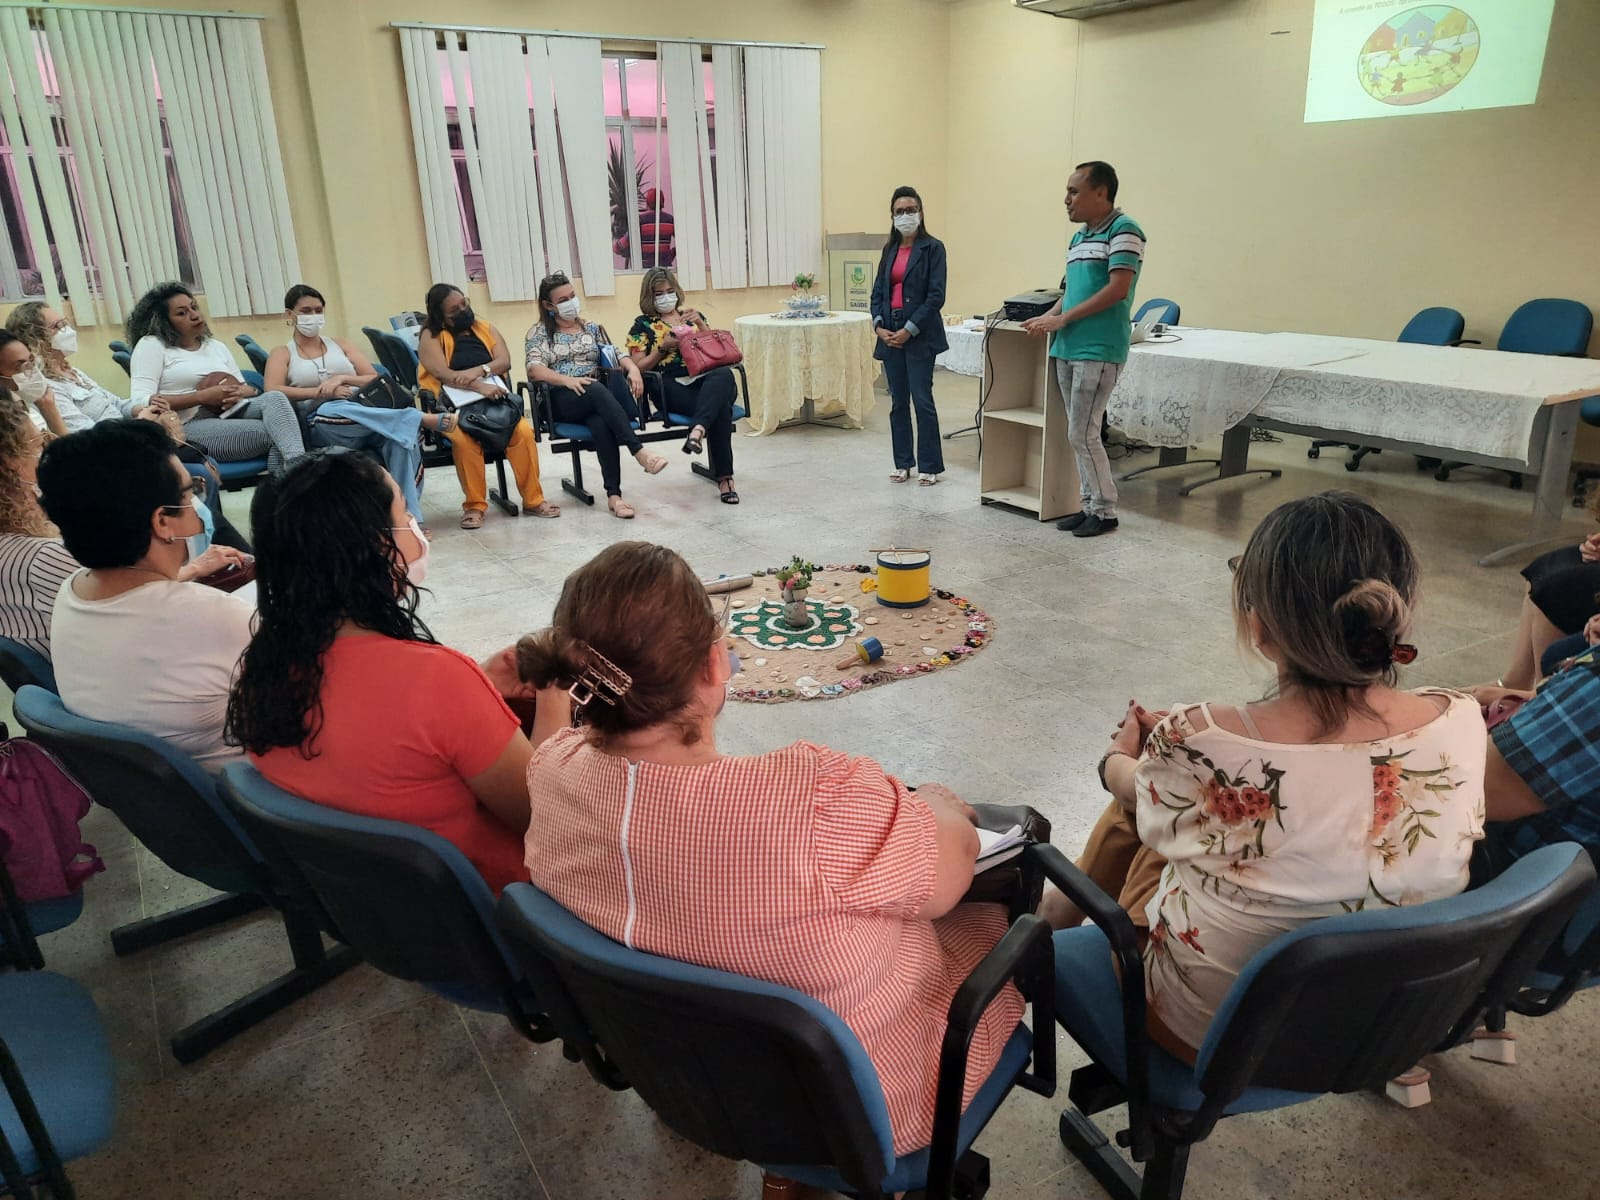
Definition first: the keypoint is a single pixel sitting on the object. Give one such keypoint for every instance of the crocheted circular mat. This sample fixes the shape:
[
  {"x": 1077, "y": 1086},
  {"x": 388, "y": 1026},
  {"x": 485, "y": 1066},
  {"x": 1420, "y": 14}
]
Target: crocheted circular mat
[{"x": 780, "y": 663}]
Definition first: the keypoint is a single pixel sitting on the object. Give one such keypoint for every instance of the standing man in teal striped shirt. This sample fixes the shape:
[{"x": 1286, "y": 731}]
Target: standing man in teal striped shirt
[{"x": 1091, "y": 330}]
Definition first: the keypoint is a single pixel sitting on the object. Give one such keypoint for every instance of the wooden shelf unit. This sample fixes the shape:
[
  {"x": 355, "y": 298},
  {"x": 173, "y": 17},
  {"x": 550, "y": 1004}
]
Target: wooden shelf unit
[{"x": 1027, "y": 462}]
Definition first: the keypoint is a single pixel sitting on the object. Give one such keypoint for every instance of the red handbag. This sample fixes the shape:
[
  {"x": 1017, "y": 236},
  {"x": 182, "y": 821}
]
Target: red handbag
[{"x": 707, "y": 349}]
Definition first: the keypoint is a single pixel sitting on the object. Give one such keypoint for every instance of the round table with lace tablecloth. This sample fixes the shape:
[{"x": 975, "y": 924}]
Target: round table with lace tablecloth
[{"x": 808, "y": 368}]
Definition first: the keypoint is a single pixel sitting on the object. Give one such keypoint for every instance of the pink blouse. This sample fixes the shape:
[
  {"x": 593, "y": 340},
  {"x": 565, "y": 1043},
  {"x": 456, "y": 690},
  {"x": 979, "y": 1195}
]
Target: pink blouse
[{"x": 804, "y": 867}]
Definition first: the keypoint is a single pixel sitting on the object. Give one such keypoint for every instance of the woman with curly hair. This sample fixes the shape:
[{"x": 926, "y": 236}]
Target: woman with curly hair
[
  {"x": 33, "y": 562},
  {"x": 341, "y": 664},
  {"x": 177, "y": 364}
]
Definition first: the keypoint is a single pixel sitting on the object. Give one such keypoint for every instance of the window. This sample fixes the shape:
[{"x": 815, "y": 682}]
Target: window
[
  {"x": 137, "y": 147},
  {"x": 638, "y": 167},
  {"x": 703, "y": 157},
  {"x": 26, "y": 282}
]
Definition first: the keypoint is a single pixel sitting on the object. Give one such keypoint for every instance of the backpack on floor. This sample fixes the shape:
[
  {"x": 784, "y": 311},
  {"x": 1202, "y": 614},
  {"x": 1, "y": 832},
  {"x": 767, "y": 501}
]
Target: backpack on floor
[{"x": 40, "y": 807}]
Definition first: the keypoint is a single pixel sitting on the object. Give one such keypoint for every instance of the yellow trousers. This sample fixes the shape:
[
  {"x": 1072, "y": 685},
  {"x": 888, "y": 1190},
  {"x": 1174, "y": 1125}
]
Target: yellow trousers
[{"x": 522, "y": 453}]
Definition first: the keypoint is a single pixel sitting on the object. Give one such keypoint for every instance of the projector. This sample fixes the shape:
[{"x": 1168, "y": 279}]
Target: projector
[{"x": 1031, "y": 304}]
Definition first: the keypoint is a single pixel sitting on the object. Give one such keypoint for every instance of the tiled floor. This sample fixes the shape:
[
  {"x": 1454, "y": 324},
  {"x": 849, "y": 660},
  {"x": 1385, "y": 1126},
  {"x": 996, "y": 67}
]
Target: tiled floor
[{"x": 373, "y": 1088}]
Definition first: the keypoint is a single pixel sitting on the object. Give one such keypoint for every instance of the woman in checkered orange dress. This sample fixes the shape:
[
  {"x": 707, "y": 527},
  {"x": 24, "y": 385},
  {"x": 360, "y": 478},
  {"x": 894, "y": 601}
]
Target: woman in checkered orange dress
[{"x": 805, "y": 866}]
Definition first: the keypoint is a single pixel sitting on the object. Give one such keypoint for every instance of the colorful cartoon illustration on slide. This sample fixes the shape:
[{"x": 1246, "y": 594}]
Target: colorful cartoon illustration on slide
[{"x": 1418, "y": 55}]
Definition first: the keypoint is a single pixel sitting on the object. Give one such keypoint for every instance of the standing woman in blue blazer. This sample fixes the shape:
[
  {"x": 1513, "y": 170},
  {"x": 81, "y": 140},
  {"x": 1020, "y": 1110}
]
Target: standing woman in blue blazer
[{"x": 905, "y": 315}]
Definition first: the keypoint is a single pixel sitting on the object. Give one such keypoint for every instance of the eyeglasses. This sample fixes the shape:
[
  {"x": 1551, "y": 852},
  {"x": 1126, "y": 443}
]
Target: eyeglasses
[
  {"x": 722, "y": 613},
  {"x": 58, "y": 326},
  {"x": 195, "y": 489}
]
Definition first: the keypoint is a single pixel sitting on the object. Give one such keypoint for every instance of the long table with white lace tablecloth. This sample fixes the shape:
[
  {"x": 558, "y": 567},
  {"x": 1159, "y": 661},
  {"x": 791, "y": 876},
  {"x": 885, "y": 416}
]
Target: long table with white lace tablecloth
[{"x": 1513, "y": 411}]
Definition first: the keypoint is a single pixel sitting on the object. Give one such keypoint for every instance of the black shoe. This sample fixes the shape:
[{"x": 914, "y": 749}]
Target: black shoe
[
  {"x": 1067, "y": 524},
  {"x": 1095, "y": 526}
]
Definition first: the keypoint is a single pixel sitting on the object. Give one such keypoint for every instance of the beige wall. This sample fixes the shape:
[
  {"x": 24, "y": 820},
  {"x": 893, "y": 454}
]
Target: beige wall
[
  {"x": 1257, "y": 220},
  {"x": 339, "y": 94}
]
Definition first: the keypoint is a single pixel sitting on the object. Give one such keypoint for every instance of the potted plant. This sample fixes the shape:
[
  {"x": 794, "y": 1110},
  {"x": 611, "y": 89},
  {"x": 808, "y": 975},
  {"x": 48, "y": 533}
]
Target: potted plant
[
  {"x": 794, "y": 580},
  {"x": 804, "y": 299}
]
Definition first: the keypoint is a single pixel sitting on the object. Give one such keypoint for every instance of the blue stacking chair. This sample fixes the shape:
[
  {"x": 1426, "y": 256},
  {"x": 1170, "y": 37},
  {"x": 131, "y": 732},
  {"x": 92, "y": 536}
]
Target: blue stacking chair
[
  {"x": 171, "y": 805},
  {"x": 1339, "y": 1005},
  {"x": 1170, "y": 312},
  {"x": 409, "y": 902},
  {"x": 21, "y": 665},
  {"x": 1558, "y": 327},
  {"x": 569, "y": 437},
  {"x": 252, "y": 351},
  {"x": 756, "y": 1071},
  {"x": 657, "y": 388},
  {"x": 123, "y": 359},
  {"x": 60, "y": 1087}
]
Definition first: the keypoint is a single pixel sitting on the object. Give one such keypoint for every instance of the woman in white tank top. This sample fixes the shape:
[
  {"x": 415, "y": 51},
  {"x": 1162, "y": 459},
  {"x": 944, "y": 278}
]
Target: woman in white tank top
[{"x": 319, "y": 374}]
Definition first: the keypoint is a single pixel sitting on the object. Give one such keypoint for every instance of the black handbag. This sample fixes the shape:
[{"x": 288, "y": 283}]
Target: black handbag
[
  {"x": 383, "y": 392},
  {"x": 491, "y": 422}
]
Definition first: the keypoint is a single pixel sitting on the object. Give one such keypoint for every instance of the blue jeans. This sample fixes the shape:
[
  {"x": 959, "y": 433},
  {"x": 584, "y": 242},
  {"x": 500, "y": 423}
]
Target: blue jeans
[
  {"x": 401, "y": 458},
  {"x": 911, "y": 386}
]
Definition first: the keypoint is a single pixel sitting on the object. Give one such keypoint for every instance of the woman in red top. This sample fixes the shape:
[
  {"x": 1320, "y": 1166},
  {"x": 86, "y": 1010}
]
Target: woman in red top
[
  {"x": 343, "y": 696},
  {"x": 804, "y": 866},
  {"x": 906, "y": 298}
]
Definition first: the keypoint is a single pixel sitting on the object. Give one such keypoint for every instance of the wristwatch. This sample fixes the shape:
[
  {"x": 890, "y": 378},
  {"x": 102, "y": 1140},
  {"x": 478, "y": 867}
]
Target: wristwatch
[{"x": 487, "y": 371}]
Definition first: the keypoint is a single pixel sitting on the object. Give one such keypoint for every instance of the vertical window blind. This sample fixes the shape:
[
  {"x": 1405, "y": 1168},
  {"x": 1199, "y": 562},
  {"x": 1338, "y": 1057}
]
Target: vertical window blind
[
  {"x": 540, "y": 152},
  {"x": 141, "y": 146}
]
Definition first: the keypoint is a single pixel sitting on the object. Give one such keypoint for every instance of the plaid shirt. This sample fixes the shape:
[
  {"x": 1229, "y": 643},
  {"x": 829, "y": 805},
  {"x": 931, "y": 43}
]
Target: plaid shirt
[{"x": 1553, "y": 743}]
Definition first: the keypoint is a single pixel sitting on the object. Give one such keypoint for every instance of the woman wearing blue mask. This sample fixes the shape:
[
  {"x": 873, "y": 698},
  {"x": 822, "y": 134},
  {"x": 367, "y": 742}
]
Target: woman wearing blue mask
[
  {"x": 906, "y": 298},
  {"x": 340, "y": 664},
  {"x": 567, "y": 354}
]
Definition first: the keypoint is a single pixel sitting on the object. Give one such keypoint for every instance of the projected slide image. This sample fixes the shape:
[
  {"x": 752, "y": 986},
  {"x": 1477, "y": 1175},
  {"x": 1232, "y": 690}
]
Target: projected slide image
[
  {"x": 1418, "y": 55},
  {"x": 1407, "y": 58}
]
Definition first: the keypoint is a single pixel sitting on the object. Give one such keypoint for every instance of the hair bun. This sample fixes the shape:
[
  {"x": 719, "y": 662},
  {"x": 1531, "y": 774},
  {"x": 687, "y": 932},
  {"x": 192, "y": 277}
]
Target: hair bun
[
  {"x": 548, "y": 658},
  {"x": 1374, "y": 617}
]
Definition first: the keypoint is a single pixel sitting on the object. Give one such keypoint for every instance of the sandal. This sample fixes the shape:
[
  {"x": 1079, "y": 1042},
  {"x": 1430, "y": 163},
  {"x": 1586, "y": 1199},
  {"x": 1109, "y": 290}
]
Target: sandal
[
  {"x": 620, "y": 508},
  {"x": 543, "y": 509},
  {"x": 653, "y": 464},
  {"x": 727, "y": 494},
  {"x": 928, "y": 480},
  {"x": 695, "y": 442},
  {"x": 472, "y": 518},
  {"x": 899, "y": 476}
]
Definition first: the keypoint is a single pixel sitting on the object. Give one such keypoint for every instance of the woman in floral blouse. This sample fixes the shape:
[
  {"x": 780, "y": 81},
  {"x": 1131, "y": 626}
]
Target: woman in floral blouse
[
  {"x": 653, "y": 346},
  {"x": 1230, "y": 825},
  {"x": 567, "y": 354}
]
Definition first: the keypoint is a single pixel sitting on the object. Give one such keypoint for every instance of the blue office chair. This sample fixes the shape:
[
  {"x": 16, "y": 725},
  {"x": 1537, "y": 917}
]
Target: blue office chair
[
  {"x": 395, "y": 354},
  {"x": 409, "y": 902},
  {"x": 118, "y": 346},
  {"x": 1430, "y": 327},
  {"x": 570, "y": 437},
  {"x": 123, "y": 359},
  {"x": 1339, "y": 1005},
  {"x": 1169, "y": 310},
  {"x": 1559, "y": 327},
  {"x": 171, "y": 805},
  {"x": 252, "y": 351},
  {"x": 60, "y": 1085},
  {"x": 23, "y": 923},
  {"x": 757, "y": 1071},
  {"x": 21, "y": 665}
]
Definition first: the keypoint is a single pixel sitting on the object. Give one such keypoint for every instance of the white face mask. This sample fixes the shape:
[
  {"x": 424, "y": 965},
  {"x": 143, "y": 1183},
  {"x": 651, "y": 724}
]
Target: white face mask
[
  {"x": 906, "y": 224},
  {"x": 66, "y": 340},
  {"x": 567, "y": 310},
  {"x": 31, "y": 384},
  {"x": 666, "y": 302},
  {"x": 310, "y": 324},
  {"x": 416, "y": 568}
]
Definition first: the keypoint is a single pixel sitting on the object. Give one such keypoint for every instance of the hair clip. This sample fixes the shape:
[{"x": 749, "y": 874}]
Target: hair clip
[
  {"x": 1404, "y": 653},
  {"x": 601, "y": 680},
  {"x": 1373, "y": 652}
]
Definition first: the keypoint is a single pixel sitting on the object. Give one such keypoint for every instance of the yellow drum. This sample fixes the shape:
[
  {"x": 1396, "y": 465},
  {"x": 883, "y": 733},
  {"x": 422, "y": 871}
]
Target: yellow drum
[{"x": 903, "y": 578}]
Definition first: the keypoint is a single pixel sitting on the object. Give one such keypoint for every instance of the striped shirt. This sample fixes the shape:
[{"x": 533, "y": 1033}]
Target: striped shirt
[
  {"x": 803, "y": 867},
  {"x": 32, "y": 570},
  {"x": 1116, "y": 244}
]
